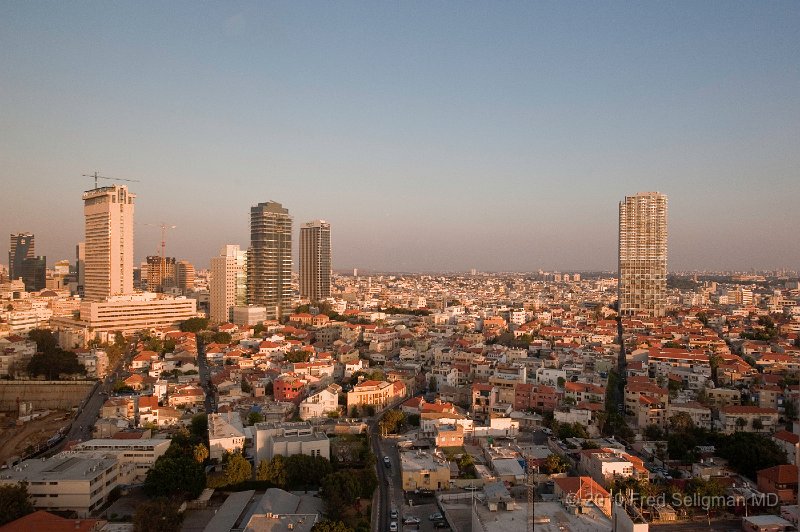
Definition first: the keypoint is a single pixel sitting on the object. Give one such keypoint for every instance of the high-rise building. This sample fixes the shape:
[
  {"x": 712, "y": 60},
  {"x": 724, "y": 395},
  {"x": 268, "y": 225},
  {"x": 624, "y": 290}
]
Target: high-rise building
[
  {"x": 269, "y": 259},
  {"x": 109, "y": 242},
  {"x": 22, "y": 247},
  {"x": 34, "y": 273},
  {"x": 315, "y": 260},
  {"x": 160, "y": 273},
  {"x": 228, "y": 284},
  {"x": 643, "y": 254},
  {"x": 184, "y": 275}
]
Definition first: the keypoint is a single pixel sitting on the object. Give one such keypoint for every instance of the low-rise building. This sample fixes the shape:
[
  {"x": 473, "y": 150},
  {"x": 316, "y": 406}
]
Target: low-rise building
[
  {"x": 421, "y": 470},
  {"x": 225, "y": 434},
  {"x": 288, "y": 439},
  {"x": 747, "y": 419}
]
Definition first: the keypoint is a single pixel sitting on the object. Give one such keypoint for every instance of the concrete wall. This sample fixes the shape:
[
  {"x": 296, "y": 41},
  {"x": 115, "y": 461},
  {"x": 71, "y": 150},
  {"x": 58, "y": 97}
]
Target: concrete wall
[{"x": 54, "y": 395}]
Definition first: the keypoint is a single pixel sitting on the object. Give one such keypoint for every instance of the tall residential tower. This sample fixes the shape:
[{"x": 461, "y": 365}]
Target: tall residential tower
[
  {"x": 315, "y": 260},
  {"x": 269, "y": 259},
  {"x": 643, "y": 254},
  {"x": 109, "y": 242},
  {"x": 228, "y": 285}
]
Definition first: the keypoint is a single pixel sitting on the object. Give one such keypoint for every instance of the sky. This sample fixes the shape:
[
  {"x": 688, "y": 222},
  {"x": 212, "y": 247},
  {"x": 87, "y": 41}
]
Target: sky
[{"x": 431, "y": 135}]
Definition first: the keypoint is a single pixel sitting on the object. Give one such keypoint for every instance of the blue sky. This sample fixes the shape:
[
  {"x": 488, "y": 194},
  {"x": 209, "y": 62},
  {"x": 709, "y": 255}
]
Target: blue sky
[{"x": 433, "y": 136}]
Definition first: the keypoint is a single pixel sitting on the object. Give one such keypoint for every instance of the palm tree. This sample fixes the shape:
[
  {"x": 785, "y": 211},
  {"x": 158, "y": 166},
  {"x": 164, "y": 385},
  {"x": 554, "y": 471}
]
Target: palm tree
[{"x": 741, "y": 423}]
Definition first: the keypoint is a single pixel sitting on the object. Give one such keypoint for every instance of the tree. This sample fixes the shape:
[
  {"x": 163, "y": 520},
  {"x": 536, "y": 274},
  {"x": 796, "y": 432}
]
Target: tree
[
  {"x": 199, "y": 426},
  {"x": 340, "y": 490},
  {"x": 749, "y": 452},
  {"x": 193, "y": 325},
  {"x": 354, "y": 411},
  {"x": 55, "y": 362},
  {"x": 327, "y": 525},
  {"x": 200, "y": 453},
  {"x": 790, "y": 409},
  {"x": 175, "y": 474},
  {"x": 254, "y": 417},
  {"x": 741, "y": 423},
  {"x": 392, "y": 421},
  {"x": 221, "y": 338},
  {"x": 757, "y": 424},
  {"x": 555, "y": 464},
  {"x": 158, "y": 514},
  {"x": 681, "y": 422},
  {"x": 14, "y": 502},
  {"x": 273, "y": 471},
  {"x": 45, "y": 340},
  {"x": 238, "y": 469}
]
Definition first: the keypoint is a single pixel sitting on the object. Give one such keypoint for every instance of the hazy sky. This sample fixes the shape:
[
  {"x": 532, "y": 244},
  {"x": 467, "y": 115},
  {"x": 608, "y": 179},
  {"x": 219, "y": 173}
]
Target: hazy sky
[{"x": 432, "y": 135}]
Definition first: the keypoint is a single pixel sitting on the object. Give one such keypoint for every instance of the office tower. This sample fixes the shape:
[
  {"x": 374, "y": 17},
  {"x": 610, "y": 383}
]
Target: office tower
[
  {"x": 22, "y": 247},
  {"x": 228, "y": 284},
  {"x": 160, "y": 273},
  {"x": 109, "y": 242},
  {"x": 643, "y": 254},
  {"x": 80, "y": 266},
  {"x": 269, "y": 259},
  {"x": 34, "y": 273},
  {"x": 184, "y": 275},
  {"x": 315, "y": 260}
]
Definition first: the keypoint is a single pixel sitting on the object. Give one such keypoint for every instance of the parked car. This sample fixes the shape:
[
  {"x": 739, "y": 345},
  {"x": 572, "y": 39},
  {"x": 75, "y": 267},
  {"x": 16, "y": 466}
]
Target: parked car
[
  {"x": 436, "y": 516},
  {"x": 411, "y": 520},
  {"x": 393, "y": 514},
  {"x": 387, "y": 462},
  {"x": 393, "y": 526},
  {"x": 441, "y": 524}
]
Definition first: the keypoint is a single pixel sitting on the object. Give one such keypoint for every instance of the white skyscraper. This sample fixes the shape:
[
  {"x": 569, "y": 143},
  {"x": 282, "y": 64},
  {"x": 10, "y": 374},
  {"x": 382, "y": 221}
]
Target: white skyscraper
[
  {"x": 228, "y": 282},
  {"x": 643, "y": 254},
  {"x": 108, "y": 212}
]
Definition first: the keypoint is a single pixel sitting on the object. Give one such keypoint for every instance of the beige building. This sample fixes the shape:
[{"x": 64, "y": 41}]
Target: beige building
[
  {"x": 108, "y": 213},
  {"x": 228, "y": 284},
  {"x": 321, "y": 403},
  {"x": 376, "y": 393},
  {"x": 142, "y": 453},
  {"x": 130, "y": 313},
  {"x": 70, "y": 481},
  {"x": 184, "y": 275},
  {"x": 643, "y": 254},
  {"x": 420, "y": 470},
  {"x": 315, "y": 260},
  {"x": 748, "y": 419}
]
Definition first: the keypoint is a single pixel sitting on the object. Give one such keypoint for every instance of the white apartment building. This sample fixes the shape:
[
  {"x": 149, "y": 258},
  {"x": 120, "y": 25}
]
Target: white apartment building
[
  {"x": 321, "y": 403},
  {"x": 228, "y": 286},
  {"x": 288, "y": 439},
  {"x": 225, "y": 434}
]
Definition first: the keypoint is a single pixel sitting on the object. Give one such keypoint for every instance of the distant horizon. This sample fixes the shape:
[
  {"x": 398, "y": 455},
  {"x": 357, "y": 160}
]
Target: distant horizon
[{"x": 432, "y": 137}]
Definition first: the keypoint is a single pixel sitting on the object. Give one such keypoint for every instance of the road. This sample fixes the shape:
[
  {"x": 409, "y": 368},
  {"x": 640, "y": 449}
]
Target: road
[
  {"x": 89, "y": 409},
  {"x": 383, "y": 478},
  {"x": 205, "y": 377}
]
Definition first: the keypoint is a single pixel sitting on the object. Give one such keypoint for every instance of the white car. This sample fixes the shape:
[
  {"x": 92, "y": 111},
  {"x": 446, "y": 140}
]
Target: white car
[
  {"x": 393, "y": 526},
  {"x": 411, "y": 520}
]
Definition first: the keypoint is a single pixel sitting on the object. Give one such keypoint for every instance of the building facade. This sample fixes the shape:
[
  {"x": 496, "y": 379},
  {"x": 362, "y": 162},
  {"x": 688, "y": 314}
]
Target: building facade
[
  {"x": 315, "y": 260},
  {"x": 22, "y": 246},
  {"x": 108, "y": 213},
  {"x": 228, "y": 284},
  {"x": 643, "y": 254},
  {"x": 269, "y": 259},
  {"x": 184, "y": 275}
]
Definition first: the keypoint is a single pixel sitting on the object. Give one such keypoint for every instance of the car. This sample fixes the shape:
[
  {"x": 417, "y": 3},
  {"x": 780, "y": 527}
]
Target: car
[
  {"x": 393, "y": 526},
  {"x": 393, "y": 514},
  {"x": 436, "y": 516},
  {"x": 387, "y": 462},
  {"x": 411, "y": 520},
  {"x": 441, "y": 524}
]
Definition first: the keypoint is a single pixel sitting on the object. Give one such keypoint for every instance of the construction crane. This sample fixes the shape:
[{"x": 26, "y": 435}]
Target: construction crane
[
  {"x": 163, "y": 266},
  {"x": 96, "y": 177}
]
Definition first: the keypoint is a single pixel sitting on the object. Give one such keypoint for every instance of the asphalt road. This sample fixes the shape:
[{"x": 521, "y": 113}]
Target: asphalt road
[{"x": 383, "y": 478}]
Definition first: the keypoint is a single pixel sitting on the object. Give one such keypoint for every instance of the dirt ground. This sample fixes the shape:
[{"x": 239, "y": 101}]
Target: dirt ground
[{"x": 14, "y": 440}]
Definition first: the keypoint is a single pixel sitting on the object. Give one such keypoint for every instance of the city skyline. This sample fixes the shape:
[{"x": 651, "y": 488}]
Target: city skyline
[{"x": 503, "y": 134}]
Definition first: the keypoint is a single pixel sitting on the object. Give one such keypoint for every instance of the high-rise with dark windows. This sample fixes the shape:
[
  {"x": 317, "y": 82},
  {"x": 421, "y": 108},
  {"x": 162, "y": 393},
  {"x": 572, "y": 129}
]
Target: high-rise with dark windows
[{"x": 22, "y": 247}]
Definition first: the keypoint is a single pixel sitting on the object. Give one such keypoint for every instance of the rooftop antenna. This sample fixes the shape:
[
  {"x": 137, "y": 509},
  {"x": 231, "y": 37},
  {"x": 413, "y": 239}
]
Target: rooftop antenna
[{"x": 95, "y": 176}]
